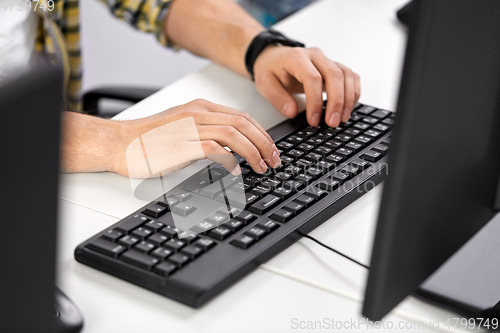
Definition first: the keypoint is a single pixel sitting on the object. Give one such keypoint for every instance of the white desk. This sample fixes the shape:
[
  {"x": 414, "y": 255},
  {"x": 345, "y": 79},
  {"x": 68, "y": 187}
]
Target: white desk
[{"x": 363, "y": 34}]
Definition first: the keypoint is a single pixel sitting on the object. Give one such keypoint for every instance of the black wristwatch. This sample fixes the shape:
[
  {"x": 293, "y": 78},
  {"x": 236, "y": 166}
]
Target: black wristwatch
[{"x": 261, "y": 41}]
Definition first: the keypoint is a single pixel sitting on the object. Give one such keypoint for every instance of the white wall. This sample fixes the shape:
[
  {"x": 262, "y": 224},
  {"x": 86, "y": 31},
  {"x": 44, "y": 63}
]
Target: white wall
[{"x": 114, "y": 53}]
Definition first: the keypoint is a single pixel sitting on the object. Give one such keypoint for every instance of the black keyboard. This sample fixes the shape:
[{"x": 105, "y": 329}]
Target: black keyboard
[{"x": 323, "y": 170}]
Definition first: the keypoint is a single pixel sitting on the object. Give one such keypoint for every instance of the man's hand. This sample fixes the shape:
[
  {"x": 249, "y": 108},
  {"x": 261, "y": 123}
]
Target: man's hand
[
  {"x": 281, "y": 71},
  {"x": 93, "y": 144}
]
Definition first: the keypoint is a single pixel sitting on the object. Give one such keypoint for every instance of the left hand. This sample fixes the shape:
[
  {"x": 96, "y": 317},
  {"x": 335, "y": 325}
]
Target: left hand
[{"x": 281, "y": 71}]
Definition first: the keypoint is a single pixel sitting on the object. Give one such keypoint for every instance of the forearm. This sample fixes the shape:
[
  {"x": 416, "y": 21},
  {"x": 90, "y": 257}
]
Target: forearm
[
  {"x": 88, "y": 144},
  {"x": 219, "y": 30}
]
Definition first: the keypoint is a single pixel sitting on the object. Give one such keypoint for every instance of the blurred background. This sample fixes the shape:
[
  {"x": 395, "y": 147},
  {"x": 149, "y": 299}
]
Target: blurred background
[{"x": 115, "y": 54}]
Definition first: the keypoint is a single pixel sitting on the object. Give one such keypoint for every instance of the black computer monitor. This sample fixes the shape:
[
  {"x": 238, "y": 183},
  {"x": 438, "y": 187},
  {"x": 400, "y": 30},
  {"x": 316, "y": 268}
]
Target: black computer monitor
[
  {"x": 444, "y": 164},
  {"x": 30, "y": 108}
]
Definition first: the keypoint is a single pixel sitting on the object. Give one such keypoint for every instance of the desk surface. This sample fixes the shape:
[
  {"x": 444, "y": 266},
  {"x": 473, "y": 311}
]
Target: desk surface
[{"x": 305, "y": 282}]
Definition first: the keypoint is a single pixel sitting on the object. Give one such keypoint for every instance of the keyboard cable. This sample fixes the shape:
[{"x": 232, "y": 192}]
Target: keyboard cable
[{"x": 332, "y": 249}]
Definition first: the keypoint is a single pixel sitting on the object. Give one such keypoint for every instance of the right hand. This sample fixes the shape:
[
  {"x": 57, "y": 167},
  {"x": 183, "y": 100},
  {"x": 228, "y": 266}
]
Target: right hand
[{"x": 217, "y": 127}]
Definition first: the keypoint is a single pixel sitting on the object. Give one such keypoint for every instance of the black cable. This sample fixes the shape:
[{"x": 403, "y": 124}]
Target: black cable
[{"x": 331, "y": 249}]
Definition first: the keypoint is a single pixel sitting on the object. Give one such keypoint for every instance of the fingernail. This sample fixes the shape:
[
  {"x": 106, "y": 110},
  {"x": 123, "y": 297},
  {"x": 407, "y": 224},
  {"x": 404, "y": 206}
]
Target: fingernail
[
  {"x": 276, "y": 160},
  {"x": 276, "y": 149},
  {"x": 347, "y": 115},
  {"x": 334, "y": 120},
  {"x": 263, "y": 165},
  {"x": 236, "y": 171},
  {"x": 315, "y": 119},
  {"x": 285, "y": 109}
]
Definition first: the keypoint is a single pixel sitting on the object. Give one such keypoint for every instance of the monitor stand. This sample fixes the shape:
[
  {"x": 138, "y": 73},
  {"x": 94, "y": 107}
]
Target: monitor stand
[{"x": 468, "y": 282}]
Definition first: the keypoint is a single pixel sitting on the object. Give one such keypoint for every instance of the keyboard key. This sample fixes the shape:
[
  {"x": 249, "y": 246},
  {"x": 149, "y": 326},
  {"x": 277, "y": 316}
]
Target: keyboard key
[
  {"x": 295, "y": 139},
  {"x": 316, "y": 193},
  {"x": 381, "y": 114},
  {"x": 219, "y": 233},
  {"x": 329, "y": 184},
  {"x": 365, "y": 109},
  {"x": 243, "y": 241},
  {"x": 293, "y": 170},
  {"x": 253, "y": 179},
  {"x": 344, "y": 138},
  {"x": 388, "y": 121},
  {"x": 203, "y": 226},
  {"x": 233, "y": 225},
  {"x": 256, "y": 233},
  {"x": 272, "y": 183},
  {"x": 174, "y": 245},
  {"x": 179, "y": 259},
  {"x": 112, "y": 234},
  {"x": 106, "y": 247},
  {"x": 294, "y": 185},
  {"x": 282, "y": 192},
  {"x": 295, "y": 207},
  {"x": 316, "y": 141},
  {"x": 354, "y": 146},
  {"x": 363, "y": 139},
  {"x": 283, "y": 176},
  {"x": 341, "y": 177},
  {"x": 284, "y": 145},
  {"x": 268, "y": 226},
  {"x": 314, "y": 172},
  {"x": 305, "y": 200},
  {"x": 282, "y": 215},
  {"x": 139, "y": 259},
  {"x": 169, "y": 231},
  {"x": 184, "y": 196},
  {"x": 265, "y": 204},
  {"x": 371, "y": 155},
  {"x": 370, "y": 120},
  {"x": 165, "y": 268},
  {"x": 305, "y": 147},
  {"x": 323, "y": 151},
  {"x": 353, "y": 131},
  {"x": 315, "y": 158},
  {"x": 130, "y": 224},
  {"x": 157, "y": 239},
  {"x": 211, "y": 191},
  {"x": 295, "y": 154},
  {"x": 161, "y": 253},
  {"x": 217, "y": 173},
  {"x": 303, "y": 164},
  {"x": 128, "y": 241},
  {"x": 373, "y": 133},
  {"x": 335, "y": 159},
  {"x": 325, "y": 166},
  {"x": 192, "y": 251},
  {"x": 205, "y": 244},
  {"x": 361, "y": 125},
  {"x": 350, "y": 169},
  {"x": 245, "y": 217},
  {"x": 183, "y": 209},
  {"x": 286, "y": 159},
  {"x": 218, "y": 217},
  {"x": 261, "y": 190},
  {"x": 141, "y": 232},
  {"x": 359, "y": 163},
  {"x": 334, "y": 144},
  {"x": 381, "y": 148},
  {"x": 305, "y": 133},
  {"x": 250, "y": 198},
  {"x": 144, "y": 247},
  {"x": 306, "y": 179},
  {"x": 197, "y": 184},
  {"x": 154, "y": 225},
  {"x": 155, "y": 210},
  {"x": 188, "y": 237},
  {"x": 381, "y": 127}
]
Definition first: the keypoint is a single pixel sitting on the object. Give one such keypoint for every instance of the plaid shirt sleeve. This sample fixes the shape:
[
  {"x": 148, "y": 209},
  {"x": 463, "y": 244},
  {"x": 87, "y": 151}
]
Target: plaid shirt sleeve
[{"x": 145, "y": 15}]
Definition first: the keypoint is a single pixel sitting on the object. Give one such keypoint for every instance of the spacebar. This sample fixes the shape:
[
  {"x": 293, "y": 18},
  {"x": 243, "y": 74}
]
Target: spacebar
[{"x": 265, "y": 204}]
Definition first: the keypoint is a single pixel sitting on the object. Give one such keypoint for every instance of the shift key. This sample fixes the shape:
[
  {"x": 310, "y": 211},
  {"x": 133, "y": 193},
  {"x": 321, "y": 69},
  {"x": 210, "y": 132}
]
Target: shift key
[
  {"x": 106, "y": 247},
  {"x": 265, "y": 204}
]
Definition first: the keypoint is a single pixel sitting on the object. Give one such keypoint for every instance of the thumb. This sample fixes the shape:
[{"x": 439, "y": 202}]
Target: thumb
[{"x": 271, "y": 88}]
